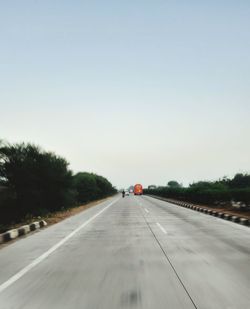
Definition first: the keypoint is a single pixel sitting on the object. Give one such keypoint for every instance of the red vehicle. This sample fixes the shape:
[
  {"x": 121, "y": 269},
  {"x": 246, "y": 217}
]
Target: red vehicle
[{"x": 138, "y": 190}]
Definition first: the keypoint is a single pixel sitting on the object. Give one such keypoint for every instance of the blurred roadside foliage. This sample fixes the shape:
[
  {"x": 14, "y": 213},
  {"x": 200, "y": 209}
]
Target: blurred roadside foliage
[
  {"x": 225, "y": 191},
  {"x": 36, "y": 182}
]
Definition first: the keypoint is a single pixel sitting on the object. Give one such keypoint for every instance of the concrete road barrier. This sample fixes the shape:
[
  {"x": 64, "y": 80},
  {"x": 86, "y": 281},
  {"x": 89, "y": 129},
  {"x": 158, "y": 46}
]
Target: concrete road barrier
[
  {"x": 244, "y": 221},
  {"x": 12, "y": 234},
  {"x": 235, "y": 219},
  {"x": 23, "y": 230},
  {"x": 34, "y": 226},
  {"x": 42, "y": 223},
  {"x": 227, "y": 216}
]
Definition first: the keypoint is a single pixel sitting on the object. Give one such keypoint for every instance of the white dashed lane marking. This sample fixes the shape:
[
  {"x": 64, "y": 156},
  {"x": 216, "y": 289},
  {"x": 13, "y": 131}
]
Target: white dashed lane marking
[{"x": 161, "y": 228}]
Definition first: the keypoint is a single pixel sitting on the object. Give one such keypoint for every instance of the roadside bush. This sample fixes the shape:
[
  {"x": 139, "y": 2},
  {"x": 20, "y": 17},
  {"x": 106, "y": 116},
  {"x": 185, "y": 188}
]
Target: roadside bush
[
  {"x": 35, "y": 182},
  {"x": 8, "y": 209},
  {"x": 85, "y": 186},
  {"x": 214, "y": 193},
  {"x": 38, "y": 181},
  {"x": 90, "y": 187},
  {"x": 241, "y": 195},
  {"x": 105, "y": 188}
]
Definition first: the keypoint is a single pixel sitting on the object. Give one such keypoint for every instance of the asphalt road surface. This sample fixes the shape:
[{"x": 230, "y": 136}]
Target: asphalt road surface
[{"x": 136, "y": 252}]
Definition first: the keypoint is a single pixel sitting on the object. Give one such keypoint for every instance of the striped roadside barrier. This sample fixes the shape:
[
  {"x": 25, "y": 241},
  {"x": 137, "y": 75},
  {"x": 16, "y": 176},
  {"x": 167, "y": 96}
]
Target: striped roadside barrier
[{"x": 22, "y": 230}]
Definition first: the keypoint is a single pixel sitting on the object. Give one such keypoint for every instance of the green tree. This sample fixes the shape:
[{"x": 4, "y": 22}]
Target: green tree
[
  {"x": 85, "y": 186},
  {"x": 90, "y": 187},
  {"x": 104, "y": 186},
  {"x": 174, "y": 184},
  {"x": 240, "y": 181},
  {"x": 39, "y": 181}
]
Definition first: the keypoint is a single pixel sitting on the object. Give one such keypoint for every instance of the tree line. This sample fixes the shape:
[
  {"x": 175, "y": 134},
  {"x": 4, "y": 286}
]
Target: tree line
[
  {"x": 225, "y": 191},
  {"x": 34, "y": 182}
]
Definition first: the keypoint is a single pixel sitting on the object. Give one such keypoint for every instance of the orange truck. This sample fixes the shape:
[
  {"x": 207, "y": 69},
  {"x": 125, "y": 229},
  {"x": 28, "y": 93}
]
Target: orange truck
[{"x": 138, "y": 190}]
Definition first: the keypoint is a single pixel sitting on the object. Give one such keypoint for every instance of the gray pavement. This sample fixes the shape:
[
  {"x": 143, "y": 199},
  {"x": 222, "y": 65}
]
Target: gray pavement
[{"x": 137, "y": 252}]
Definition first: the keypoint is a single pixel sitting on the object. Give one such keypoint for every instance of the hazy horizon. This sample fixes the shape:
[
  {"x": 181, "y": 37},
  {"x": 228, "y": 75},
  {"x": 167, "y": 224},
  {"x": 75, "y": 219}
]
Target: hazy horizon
[{"x": 139, "y": 92}]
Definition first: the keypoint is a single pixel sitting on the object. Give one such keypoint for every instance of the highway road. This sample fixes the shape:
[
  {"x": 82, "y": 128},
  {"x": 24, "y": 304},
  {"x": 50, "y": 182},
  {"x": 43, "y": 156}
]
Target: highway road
[{"x": 136, "y": 252}]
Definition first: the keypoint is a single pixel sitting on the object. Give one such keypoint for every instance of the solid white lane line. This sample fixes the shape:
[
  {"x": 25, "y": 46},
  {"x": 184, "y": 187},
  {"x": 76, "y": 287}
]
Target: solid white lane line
[
  {"x": 146, "y": 210},
  {"x": 41, "y": 258},
  {"x": 161, "y": 228}
]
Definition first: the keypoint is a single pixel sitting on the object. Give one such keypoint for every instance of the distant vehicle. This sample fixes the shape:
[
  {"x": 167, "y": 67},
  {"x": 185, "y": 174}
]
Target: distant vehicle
[
  {"x": 131, "y": 189},
  {"x": 138, "y": 190},
  {"x": 126, "y": 193}
]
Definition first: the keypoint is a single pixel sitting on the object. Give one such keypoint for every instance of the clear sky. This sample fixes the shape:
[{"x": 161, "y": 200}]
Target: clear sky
[{"x": 136, "y": 90}]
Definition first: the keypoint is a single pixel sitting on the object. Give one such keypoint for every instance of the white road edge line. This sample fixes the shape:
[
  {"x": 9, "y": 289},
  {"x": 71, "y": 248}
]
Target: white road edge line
[
  {"x": 41, "y": 258},
  {"x": 146, "y": 210},
  {"x": 161, "y": 228}
]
